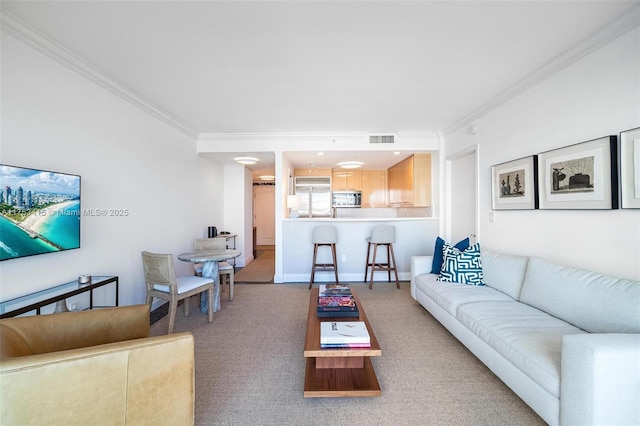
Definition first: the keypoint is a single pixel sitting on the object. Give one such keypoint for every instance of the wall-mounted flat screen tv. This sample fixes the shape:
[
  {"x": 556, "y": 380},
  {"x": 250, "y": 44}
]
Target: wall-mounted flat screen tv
[{"x": 39, "y": 212}]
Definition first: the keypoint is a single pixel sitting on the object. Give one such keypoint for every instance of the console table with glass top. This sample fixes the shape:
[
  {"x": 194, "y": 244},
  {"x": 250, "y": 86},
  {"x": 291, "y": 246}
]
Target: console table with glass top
[{"x": 36, "y": 301}]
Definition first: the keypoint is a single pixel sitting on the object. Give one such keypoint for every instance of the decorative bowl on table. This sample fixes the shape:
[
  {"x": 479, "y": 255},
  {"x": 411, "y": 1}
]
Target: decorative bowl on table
[{"x": 84, "y": 280}]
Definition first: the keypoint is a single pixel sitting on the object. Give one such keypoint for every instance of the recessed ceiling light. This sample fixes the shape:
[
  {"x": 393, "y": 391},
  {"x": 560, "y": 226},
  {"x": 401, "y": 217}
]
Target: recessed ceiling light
[
  {"x": 267, "y": 177},
  {"x": 320, "y": 153},
  {"x": 350, "y": 164},
  {"x": 396, "y": 152},
  {"x": 246, "y": 160}
]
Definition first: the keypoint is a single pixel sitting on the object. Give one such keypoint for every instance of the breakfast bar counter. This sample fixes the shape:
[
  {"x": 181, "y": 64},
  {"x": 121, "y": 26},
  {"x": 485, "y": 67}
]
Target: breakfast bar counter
[
  {"x": 414, "y": 236},
  {"x": 330, "y": 220}
]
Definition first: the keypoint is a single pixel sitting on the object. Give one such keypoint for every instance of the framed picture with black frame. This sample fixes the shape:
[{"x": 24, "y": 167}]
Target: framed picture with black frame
[
  {"x": 514, "y": 184},
  {"x": 630, "y": 168},
  {"x": 580, "y": 176}
]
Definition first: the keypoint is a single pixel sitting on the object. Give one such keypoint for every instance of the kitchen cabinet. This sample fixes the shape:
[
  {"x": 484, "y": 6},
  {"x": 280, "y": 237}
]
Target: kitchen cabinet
[
  {"x": 374, "y": 188},
  {"x": 410, "y": 182},
  {"x": 312, "y": 171},
  {"x": 346, "y": 180}
]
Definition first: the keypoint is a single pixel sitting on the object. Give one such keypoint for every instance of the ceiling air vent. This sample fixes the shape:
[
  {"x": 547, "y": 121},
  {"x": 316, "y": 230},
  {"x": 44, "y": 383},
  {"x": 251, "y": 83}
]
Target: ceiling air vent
[{"x": 381, "y": 139}]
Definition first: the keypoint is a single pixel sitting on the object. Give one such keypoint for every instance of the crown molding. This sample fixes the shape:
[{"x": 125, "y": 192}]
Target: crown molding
[
  {"x": 18, "y": 29},
  {"x": 608, "y": 33}
]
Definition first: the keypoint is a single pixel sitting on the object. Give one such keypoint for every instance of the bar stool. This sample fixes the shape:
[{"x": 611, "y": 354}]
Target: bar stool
[
  {"x": 382, "y": 235},
  {"x": 324, "y": 235}
]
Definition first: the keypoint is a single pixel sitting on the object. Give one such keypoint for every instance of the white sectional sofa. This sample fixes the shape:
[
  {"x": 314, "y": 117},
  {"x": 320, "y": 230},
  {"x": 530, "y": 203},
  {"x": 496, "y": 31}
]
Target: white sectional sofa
[{"x": 566, "y": 341}]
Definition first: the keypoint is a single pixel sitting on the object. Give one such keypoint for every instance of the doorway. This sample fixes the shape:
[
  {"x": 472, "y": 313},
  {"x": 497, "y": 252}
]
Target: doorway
[
  {"x": 264, "y": 210},
  {"x": 461, "y": 196}
]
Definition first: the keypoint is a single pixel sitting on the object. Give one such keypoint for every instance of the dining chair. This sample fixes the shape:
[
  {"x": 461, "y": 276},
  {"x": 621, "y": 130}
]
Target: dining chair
[
  {"x": 162, "y": 283},
  {"x": 226, "y": 270}
]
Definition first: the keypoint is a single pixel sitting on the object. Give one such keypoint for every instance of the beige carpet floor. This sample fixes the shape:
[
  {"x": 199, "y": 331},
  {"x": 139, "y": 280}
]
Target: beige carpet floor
[
  {"x": 261, "y": 270},
  {"x": 250, "y": 368}
]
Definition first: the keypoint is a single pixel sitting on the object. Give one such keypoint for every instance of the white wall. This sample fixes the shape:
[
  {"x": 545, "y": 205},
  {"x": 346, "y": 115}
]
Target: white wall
[
  {"x": 54, "y": 119},
  {"x": 238, "y": 209},
  {"x": 284, "y": 178},
  {"x": 596, "y": 96}
]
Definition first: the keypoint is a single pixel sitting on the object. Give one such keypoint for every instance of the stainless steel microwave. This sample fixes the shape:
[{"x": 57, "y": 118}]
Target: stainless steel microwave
[{"x": 347, "y": 199}]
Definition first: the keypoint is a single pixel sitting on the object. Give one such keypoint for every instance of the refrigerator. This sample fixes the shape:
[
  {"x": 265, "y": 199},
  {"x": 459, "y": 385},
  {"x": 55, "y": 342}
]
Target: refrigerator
[{"x": 315, "y": 195}]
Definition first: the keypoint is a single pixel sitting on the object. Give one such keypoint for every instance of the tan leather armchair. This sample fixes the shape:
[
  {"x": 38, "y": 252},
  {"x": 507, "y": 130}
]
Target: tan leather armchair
[{"x": 94, "y": 367}]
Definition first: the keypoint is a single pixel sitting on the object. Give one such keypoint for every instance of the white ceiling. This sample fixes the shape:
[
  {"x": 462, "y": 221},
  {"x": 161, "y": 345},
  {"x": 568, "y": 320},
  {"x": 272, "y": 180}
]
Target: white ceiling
[{"x": 319, "y": 66}]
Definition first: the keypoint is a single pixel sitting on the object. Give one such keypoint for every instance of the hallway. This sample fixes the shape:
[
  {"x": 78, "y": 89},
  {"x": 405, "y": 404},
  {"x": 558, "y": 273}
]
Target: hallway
[{"x": 261, "y": 270}]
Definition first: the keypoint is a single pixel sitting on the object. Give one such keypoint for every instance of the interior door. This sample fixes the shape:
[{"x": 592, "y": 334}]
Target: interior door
[
  {"x": 461, "y": 208},
  {"x": 264, "y": 199}
]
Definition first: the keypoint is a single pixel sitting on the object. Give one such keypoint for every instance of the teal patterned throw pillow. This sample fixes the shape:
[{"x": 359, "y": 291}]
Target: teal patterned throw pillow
[{"x": 464, "y": 267}]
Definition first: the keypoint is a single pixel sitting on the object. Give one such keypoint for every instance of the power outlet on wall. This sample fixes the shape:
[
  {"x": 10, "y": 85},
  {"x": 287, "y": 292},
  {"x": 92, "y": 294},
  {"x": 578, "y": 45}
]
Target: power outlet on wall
[{"x": 344, "y": 257}]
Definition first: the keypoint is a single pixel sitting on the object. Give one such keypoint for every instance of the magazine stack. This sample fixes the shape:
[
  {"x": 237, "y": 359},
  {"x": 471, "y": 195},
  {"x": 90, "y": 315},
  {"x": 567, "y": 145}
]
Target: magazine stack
[
  {"x": 344, "y": 334},
  {"x": 336, "y": 300}
]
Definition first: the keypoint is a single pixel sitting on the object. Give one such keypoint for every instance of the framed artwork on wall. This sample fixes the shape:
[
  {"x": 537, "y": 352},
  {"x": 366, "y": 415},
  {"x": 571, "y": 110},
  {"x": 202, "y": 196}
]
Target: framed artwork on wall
[
  {"x": 630, "y": 168},
  {"x": 580, "y": 176},
  {"x": 514, "y": 184}
]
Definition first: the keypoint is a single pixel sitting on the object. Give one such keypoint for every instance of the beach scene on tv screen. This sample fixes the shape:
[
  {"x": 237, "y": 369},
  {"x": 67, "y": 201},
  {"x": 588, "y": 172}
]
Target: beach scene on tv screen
[{"x": 39, "y": 212}]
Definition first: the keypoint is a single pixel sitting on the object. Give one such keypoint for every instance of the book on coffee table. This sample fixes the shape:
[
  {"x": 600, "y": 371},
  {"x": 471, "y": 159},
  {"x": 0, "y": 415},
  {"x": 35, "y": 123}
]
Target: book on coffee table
[
  {"x": 334, "y": 290},
  {"x": 344, "y": 345},
  {"x": 344, "y": 332},
  {"x": 337, "y": 306}
]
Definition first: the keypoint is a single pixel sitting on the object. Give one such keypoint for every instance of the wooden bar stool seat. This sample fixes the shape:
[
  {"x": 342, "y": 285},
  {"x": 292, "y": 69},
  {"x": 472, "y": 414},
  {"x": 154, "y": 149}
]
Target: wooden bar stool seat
[
  {"x": 382, "y": 235},
  {"x": 324, "y": 235}
]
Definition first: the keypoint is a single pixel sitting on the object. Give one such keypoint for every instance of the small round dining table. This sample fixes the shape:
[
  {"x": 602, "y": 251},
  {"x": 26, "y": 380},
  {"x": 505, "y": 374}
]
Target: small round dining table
[{"x": 210, "y": 269}]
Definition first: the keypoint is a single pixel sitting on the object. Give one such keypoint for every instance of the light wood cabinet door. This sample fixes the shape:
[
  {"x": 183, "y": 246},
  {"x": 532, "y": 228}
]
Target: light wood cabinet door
[
  {"x": 401, "y": 183},
  {"x": 346, "y": 180},
  {"x": 374, "y": 188},
  {"x": 410, "y": 182},
  {"x": 422, "y": 180},
  {"x": 338, "y": 180},
  {"x": 312, "y": 171}
]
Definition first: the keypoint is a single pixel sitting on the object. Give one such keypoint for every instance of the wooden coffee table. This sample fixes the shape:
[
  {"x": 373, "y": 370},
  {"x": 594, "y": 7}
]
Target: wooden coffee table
[{"x": 338, "y": 372}]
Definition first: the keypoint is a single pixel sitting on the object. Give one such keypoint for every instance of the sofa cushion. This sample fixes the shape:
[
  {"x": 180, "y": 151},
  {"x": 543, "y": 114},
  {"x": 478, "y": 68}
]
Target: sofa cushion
[
  {"x": 437, "y": 253},
  {"x": 504, "y": 272},
  {"x": 13, "y": 343},
  {"x": 593, "y": 302},
  {"x": 464, "y": 267},
  {"x": 529, "y": 338},
  {"x": 451, "y": 295}
]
